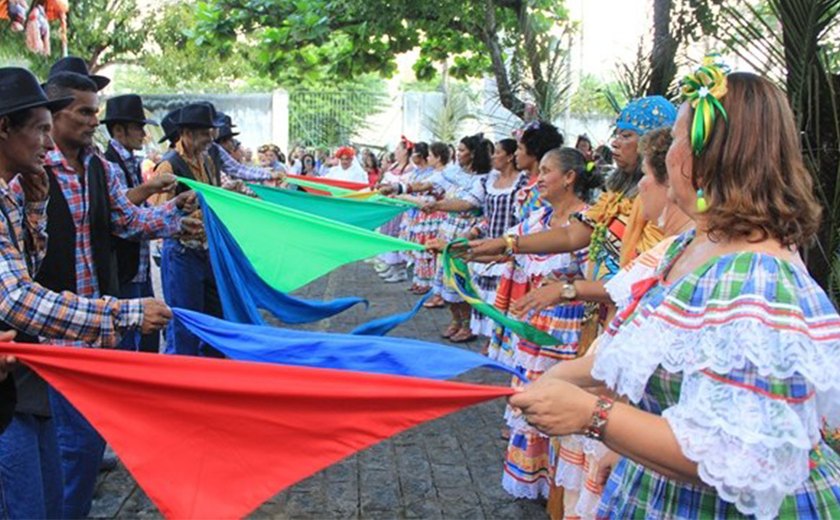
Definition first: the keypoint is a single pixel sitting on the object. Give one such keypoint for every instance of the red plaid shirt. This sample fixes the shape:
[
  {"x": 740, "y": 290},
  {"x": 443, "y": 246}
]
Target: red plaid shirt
[{"x": 127, "y": 220}]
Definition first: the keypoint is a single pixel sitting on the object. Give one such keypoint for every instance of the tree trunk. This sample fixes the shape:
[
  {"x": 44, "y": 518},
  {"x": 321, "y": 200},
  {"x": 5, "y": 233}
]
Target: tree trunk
[
  {"x": 663, "y": 68},
  {"x": 507, "y": 97}
]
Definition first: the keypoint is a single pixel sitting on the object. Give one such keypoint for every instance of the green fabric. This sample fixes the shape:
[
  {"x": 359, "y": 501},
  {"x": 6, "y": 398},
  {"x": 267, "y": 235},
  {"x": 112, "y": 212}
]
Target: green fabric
[
  {"x": 333, "y": 190},
  {"x": 457, "y": 275},
  {"x": 290, "y": 248},
  {"x": 368, "y": 215},
  {"x": 340, "y": 192}
]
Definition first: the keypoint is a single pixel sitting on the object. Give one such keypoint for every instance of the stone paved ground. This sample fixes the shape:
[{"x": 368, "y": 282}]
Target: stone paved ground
[{"x": 449, "y": 468}]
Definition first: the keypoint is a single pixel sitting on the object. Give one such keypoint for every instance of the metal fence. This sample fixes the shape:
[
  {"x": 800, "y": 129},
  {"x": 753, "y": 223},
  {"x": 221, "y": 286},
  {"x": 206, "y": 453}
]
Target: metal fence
[{"x": 330, "y": 118}]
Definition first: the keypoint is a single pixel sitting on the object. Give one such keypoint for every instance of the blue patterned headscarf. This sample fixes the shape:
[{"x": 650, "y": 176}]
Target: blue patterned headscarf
[{"x": 646, "y": 114}]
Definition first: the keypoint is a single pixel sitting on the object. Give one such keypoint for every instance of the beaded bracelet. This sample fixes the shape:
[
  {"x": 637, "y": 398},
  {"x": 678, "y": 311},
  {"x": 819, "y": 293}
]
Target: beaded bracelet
[{"x": 595, "y": 430}]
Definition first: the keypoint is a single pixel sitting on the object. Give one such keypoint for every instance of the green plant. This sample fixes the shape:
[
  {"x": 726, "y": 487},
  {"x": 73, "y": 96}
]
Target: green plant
[
  {"x": 789, "y": 40},
  {"x": 445, "y": 124}
]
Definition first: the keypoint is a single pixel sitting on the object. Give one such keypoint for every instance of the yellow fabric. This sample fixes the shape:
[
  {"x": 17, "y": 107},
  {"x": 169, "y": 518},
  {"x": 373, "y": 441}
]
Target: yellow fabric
[{"x": 640, "y": 234}]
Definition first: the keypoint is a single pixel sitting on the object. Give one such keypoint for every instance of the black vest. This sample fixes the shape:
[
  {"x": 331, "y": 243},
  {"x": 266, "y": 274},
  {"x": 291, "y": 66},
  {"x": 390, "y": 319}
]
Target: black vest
[
  {"x": 58, "y": 270},
  {"x": 128, "y": 251},
  {"x": 180, "y": 168},
  {"x": 30, "y": 394}
]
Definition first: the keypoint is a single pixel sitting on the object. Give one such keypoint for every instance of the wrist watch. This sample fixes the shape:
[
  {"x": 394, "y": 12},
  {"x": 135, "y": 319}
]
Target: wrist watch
[{"x": 568, "y": 291}]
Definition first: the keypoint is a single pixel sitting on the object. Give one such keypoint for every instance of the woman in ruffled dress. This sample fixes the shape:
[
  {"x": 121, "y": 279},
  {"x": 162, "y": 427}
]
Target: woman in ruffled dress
[
  {"x": 494, "y": 195},
  {"x": 565, "y": 183},
  {"x": 416, "y": 224},
  {"x": 614, "y": 224},
  {"x": 473, "y": 156},
  {"x": 726, "y": 359},
  {"x": 392, "y": 266},
  {"x": 577, "y": 460}
]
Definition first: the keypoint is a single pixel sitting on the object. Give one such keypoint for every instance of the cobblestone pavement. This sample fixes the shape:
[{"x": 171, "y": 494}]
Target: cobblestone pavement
[{"x": 448, "y": 468}]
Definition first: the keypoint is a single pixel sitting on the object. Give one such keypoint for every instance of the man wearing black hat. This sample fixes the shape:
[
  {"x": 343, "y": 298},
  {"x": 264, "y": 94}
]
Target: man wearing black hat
[
  {"x": 87, "y": 206},
  {"x": 125, "y": 120},
  {"x": 186, "y": 274},
  {"x": 32, "y": 485},
  {"x": 221, "y": 151}
]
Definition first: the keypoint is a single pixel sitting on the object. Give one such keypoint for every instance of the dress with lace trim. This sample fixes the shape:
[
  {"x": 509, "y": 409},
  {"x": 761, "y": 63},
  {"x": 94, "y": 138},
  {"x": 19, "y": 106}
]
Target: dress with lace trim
[{"x": 741, "y": 357}]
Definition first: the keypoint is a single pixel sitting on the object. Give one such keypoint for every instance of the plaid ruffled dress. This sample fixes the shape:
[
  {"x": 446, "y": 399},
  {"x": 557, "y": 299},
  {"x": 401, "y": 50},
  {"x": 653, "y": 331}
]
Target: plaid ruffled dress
[{"x": 744, "y": 367}]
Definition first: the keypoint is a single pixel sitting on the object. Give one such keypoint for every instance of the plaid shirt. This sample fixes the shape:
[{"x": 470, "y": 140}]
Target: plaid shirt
[
  {"x": 235, "y": 169},
  {"x": 30, "y": 307},
  {"x": 133, "y": 164},
  {"x": 127, "y": 220}
]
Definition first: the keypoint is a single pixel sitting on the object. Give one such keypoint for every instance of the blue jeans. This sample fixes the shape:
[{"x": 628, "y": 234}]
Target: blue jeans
[
  {"x": 133, "y": 339},
  {"x": 30, "y": 470},
  {"x": 188, "y": 283},
  {"x": 81, "y": 449}
]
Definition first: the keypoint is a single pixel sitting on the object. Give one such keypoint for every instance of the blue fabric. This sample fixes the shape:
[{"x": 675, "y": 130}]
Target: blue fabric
[
  {"x": 134, "y": 339},
  {"x": 646, "y": 114},
  {"x": 30, "y": 470},
  {"x": 384, "y": 325},
  {"x": 242, "y": 292},
  {"x": 81, "y": 449},
  {"x": 187, "y": 283},
  {"x": 381, "y": 355}
]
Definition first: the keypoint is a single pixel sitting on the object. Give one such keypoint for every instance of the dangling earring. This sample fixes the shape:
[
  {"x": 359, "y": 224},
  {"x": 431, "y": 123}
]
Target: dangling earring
[{"x": 702, "y": 205}]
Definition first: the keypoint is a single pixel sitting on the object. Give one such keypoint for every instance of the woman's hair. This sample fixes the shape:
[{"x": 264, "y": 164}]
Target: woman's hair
[
  {"x": 586, "y": 175},
  {"x": 508, "y": 145},
  {"x": 540, "y": 137},
  {"x": 653, "y": 146},
  {"x": 583, "y": 138},
  {"x": 604, "y": 154},
  {"x": 752, "y": 171},
  {"x": 311, "y": 158},
  {"x": 441, "y": 151},
  {"x": 421, "y": 149},
  {"x": 481, "y": 150}
]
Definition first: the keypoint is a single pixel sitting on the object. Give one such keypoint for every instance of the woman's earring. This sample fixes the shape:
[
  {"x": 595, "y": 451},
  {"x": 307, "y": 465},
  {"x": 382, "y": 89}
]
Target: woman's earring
[{"x": 702, "y": 205}]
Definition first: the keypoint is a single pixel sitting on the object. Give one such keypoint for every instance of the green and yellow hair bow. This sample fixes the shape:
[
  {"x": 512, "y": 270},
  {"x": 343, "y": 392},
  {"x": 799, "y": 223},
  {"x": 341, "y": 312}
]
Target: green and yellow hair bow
[{"x": 704, "y": 88}]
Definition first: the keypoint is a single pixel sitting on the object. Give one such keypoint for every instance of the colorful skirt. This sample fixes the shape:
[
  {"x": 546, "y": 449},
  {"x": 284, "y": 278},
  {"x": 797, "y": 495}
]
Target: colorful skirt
[{"x": 531, "y": 453}]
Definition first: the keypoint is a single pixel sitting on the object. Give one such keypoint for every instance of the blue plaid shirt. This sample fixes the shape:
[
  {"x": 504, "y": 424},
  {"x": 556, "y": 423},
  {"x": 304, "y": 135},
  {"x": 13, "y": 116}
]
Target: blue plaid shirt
[
  {"x": 233, "y": 168},
  {"x": 132, "y": 162}
]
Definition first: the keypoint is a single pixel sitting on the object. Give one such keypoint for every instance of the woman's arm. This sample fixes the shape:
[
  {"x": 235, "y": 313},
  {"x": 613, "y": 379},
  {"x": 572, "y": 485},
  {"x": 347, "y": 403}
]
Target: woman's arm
[
  {"x": 451, "y": 205},
  {"x": 557, "y": 240},
  {"x": 554, "y": 294},
  {"x": 558, "y": 407}
]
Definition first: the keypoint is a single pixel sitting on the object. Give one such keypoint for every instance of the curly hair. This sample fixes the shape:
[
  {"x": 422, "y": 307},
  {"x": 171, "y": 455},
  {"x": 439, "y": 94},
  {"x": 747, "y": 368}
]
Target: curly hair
[
  {"x": 653, "y": 146},
  {"x": 540, "y": 138}
]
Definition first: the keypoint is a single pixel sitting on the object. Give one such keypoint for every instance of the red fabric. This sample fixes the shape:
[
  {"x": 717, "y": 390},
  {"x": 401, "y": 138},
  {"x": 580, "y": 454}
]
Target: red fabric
[
  {"x": 211, "y": 438},
  {"x": 331, "y": 182}
]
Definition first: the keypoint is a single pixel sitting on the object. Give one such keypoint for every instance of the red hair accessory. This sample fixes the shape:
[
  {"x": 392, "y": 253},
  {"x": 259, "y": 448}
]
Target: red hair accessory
[
  {"x": 408, "y": 144},
  {"x": 345, "y": 151}
]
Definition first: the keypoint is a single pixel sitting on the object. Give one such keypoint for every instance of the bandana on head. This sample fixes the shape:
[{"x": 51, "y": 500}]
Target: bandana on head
[
  {"x": 703, "y": 89},
  {"x": 345, "y": 151},
  {"x": 646, "y": 114}
]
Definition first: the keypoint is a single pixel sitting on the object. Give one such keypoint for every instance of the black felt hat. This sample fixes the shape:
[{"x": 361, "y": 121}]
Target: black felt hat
[
  {"x": 126, "y": 108},
  {"x": 169, "y": 123},
  {"x": 77, "y": 65},
  {"x": 226, "y": 132},
  {"x": 20, "y": 90},
  {"x": 199, "y": 115}
]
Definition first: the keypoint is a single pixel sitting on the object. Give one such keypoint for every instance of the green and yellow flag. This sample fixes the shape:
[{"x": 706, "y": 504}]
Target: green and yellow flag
[{"x": 457, "y": 275}]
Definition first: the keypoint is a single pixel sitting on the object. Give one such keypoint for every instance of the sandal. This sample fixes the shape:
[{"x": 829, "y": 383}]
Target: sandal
[
  {"x": 435, "y": 302},
  {"x": 421, "y": 290},
  {"x": 464, "y": 335},
  {"x": 453, "y": 328}
]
